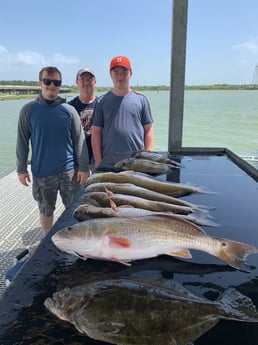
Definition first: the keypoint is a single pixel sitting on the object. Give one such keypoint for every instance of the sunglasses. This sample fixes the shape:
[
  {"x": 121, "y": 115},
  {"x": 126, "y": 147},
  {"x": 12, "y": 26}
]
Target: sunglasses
[{"x": 48, "y": 82}]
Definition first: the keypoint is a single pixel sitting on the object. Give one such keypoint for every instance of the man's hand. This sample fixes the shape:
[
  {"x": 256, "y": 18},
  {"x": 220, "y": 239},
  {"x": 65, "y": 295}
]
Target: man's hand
[
  {"x": 24, "y": 179},
  {"x": 82, "y": 177}
]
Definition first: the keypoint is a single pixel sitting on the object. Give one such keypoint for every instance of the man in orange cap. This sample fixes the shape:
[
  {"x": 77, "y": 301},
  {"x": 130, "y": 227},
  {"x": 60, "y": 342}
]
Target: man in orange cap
[{"x": 122, "y": 119}]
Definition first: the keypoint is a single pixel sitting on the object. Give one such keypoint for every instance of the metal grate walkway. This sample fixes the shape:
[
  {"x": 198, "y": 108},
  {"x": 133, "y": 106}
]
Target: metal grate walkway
[{"x": 19, "y": 222}]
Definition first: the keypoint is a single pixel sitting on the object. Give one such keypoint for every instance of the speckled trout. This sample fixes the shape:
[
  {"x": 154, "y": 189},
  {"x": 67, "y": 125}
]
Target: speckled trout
[
  {"x": 131, "y": 189},
  {"x": 85, "y": 211},
  {"x": 120, "y": 240},
  {"x": 155, "y": 157},
  {"x": 142, "y": 180},
  {"x": 103, "y": 199},
  {"x": 144, "y": 165}
]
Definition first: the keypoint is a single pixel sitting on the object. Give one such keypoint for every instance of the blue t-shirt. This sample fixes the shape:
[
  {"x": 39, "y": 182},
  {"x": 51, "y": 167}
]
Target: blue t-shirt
[
  {"x": 122, "y": 119},
  {"x": 56, "y": 136}
]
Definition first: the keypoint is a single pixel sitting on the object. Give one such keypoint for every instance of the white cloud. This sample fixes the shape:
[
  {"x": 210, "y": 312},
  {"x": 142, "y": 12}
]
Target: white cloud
[
  {"x": 28, "y": 58},
  {"x": 64, "y": 60},
  {"x": 250, "y": 46},
  {"x": 3, "y": 50},
  {"x": 25, "y": 64}
]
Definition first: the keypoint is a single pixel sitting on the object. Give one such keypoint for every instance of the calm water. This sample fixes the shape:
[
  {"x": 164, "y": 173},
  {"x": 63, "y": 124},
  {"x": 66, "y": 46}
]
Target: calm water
[{"x": 211, "y": 119}]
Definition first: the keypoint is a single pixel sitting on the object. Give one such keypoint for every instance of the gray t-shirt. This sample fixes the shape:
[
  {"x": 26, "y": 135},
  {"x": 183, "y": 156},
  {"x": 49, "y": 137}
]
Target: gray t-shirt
[{"x": 122, "y": 119}]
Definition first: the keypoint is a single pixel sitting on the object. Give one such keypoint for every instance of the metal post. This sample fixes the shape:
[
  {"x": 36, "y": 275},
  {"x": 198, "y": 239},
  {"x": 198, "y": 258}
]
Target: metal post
[{"x": 177, "y": 74}]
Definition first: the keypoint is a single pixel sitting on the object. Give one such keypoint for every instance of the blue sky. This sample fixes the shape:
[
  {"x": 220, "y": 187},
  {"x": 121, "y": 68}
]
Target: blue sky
[{"x": 222, "y": 39}]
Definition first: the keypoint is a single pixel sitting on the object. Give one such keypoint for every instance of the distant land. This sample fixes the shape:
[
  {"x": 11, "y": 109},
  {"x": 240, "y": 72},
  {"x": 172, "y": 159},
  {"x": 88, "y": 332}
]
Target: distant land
[
  {"x": 74, "y": 88},
  {"x": 144, "y": 87}
]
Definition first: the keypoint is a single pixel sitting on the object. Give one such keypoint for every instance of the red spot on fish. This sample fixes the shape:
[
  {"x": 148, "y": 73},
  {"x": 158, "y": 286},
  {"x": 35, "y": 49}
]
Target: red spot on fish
[{"x": 119, "y": 242}]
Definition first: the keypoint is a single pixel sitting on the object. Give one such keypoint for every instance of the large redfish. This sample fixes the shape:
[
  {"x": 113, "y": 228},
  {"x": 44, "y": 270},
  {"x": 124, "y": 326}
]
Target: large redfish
[{"x": 123, "y": 240}]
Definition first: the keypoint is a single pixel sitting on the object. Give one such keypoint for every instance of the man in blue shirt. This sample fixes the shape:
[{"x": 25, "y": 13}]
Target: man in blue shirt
[
  {"x": 122, "y": 119},
  {"x": 59, "y": 157}
]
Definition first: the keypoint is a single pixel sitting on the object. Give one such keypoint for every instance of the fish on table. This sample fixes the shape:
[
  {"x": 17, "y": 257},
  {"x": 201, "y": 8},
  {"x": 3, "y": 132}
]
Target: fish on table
[
  {"x": 131, "y": 189},
  {"x": 123, "y": 241},
  {"x": 103, "y": 199},
  {"x": 144, "y": 165},
  {"x": 125, "y": 312},
  {"x": 155, "y": 157},
  {"x": 145, "y": 181},
  {"x": 85, "y": 211}
]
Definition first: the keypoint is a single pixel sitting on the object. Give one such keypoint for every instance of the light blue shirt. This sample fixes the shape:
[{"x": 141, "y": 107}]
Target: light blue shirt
[{"x": 122, "y": 119}]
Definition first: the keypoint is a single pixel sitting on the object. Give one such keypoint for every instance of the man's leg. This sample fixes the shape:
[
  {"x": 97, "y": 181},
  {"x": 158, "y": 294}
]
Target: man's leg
[
  {"x": 68, "y": 187},
  {"x": 45, "y": 191},
  {"x": 46, "y": 223}
]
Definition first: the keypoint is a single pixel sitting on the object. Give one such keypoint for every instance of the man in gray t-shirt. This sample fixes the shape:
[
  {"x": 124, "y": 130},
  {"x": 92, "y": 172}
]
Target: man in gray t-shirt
[{"x": 122, "y": 119}]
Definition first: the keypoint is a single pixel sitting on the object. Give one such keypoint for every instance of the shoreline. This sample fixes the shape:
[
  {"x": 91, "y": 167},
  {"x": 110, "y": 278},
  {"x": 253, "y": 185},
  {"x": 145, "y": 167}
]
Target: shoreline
[
  {"x": 74, "y": 89},
  {"x": 17, "y": 97}
]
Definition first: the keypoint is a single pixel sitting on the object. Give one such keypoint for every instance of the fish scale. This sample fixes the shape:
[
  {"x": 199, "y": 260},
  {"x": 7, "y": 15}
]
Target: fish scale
[
  {"x": 146, "y": 311},
  {"x": 142, "y": 180},
  {"x": 85, "y": 211},
  {"x": 103, "y": 199},
  {"x": 131, "y": 189},
  {"x": 123, "y": 241}
]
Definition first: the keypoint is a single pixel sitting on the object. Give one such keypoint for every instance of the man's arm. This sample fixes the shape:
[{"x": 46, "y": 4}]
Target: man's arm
[
  {"x": 96, "y": 141},
  {"x": 22, "y": 144},
  {"x": 148, "y": 137}
]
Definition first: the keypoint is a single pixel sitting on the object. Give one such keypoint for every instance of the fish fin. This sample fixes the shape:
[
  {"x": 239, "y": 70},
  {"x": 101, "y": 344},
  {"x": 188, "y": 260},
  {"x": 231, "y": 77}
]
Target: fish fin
[
  {"x": 239, "y": 306},
  {"x": 235, "y": 253},
  {"x": 80, "y": 256},
  {"x": 125, "y": 173},
  {"x": 119, "y": 242},
  {"x": 120, "y": 261},
  {"x": 182, "y": 219},
  {"x": 108, "y": 191},
  {"x": 182, "y": 253},
  {"x": 125, "y": 206},
  {"x": 112, "y": 204}
]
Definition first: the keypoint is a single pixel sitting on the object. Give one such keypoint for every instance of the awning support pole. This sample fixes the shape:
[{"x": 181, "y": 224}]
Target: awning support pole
[{"x": 177, "y": 74}]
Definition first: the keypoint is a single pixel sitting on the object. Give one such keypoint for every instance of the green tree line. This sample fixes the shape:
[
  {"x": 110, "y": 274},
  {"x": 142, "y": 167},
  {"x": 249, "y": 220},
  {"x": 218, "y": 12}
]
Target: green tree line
[{"x": 74, "y": 88}]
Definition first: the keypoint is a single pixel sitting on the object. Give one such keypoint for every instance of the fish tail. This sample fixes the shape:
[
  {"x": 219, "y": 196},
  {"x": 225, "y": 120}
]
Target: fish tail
[
  {"x": 238, "y": 306},
  {"x": 173, "y": 166},
  {"x": 235, "y": 253},
  {"x": 204, "y": 190},
  {"x": 200, "y": 218},
  {"x": 199, "y": 189}
]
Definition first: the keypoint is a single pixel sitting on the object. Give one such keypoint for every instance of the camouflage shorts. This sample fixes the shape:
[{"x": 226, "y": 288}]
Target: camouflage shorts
[{"x": 45, "y": 190}]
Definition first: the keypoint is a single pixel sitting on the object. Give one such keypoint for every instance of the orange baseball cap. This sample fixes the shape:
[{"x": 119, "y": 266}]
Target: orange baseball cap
[{"x": 120, "y": 61}]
